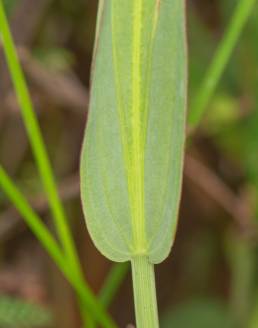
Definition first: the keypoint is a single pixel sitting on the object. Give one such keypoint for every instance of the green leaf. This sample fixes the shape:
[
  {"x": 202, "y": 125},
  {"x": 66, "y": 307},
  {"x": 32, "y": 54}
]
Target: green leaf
[{"x": 131, "y": 165}]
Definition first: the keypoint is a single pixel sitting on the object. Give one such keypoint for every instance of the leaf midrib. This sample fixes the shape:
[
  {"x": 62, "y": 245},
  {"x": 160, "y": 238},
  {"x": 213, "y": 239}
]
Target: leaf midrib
[
  {"x": 137, "y": 172},
  {"x": 134, "y": 153}
]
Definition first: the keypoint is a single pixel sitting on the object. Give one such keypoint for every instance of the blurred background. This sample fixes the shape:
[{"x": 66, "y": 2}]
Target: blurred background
[{"x": 210, "y": 279}]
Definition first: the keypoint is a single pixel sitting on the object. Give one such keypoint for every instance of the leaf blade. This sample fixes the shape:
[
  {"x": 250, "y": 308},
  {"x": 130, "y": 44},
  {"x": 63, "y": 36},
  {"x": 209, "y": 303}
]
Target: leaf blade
[{"x": 135, "y": 135}]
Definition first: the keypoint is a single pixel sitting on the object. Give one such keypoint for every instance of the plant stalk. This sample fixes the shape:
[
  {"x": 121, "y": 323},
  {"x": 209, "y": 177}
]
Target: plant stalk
[
  {"x": 221, "y": 58},
  {"x": 112, "y": 282},
  {"x": 39, "y": 148},
  {"x": 42, "y": 233},
  {"x": 145, "y": 300},
  {"x": 68, "y": 251},
  {"x": 36, "y": 140}
]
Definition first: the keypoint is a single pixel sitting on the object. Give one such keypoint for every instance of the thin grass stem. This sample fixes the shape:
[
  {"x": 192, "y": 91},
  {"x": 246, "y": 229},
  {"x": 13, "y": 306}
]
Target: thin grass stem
[
  {"x": 220, "y": 61},
  {"x": 35, "y": 138},
  {"x": 113, "y": 281},
  {"x": 51, "y": 246},
  {"x": 38, "y": 145},
  {"x": 39, "y": 151}
]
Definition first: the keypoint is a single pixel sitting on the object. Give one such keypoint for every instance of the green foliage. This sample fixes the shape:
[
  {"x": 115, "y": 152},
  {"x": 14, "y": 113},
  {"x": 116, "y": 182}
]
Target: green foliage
[
  {"x": 226, "y": 46},
  {"x": 241, "y": 136},
  {"x": 68, "y": 252},
  {"x": 223, "y": 124},
  {"x": 49, "y": 243},
  {"x": 15, "y": 312},
  {"x": 131, "y": 168},
  {"x": 132, "y": 156}
]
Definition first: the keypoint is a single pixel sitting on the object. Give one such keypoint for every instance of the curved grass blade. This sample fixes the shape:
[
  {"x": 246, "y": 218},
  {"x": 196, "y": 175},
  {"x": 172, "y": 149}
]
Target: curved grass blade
[
  {"x": 243, "y": 10},
  {"x": 54, "y": 250},
  {"x": 41, "y": 157}
]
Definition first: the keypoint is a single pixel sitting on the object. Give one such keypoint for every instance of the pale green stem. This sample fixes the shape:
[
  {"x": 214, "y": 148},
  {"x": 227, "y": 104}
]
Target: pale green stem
[
  {"x": 220, "y": 60},
  {"x": 145, "y": 300}
]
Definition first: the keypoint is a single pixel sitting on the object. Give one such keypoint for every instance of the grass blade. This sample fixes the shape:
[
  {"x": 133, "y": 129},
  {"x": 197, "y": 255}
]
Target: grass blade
[
  {"x": 113, "y": 281},
  {"x": 220, "y": 61},
  {"x": 39, "y": 150},
  {"x": 50, "y": 245},
  {"x": 35, "y": 137}
]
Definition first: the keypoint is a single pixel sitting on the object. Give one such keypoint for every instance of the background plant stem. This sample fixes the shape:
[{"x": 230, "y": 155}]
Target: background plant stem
[
  {"x": 241, "y": 259},
  {"x": 220, "y": 61},
  {"x": 36, "y": 140},
  {"x": 39, "y": 151},
  {"x": 145, "y": 301},
  {"x": 41, "y": 157},
  {"x": 48, "y": 242},
  {"x": 113, "y": 281}
]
